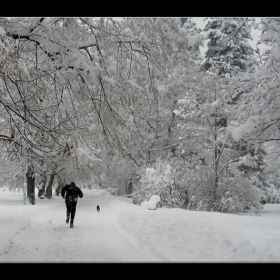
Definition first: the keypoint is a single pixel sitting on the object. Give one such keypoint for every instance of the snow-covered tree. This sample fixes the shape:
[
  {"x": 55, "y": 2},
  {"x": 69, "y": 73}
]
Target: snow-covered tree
[
  {"x": 258, "y": 112},
  {"x": 58, "y": 75},
  {"x": 228, "y": 44},
  {"x": 215, "y": 157}
]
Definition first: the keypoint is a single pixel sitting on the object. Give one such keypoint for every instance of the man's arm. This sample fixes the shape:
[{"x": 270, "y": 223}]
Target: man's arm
[
  {"x": 63, "y": 192},
  {"x": 80, "y": 193}
]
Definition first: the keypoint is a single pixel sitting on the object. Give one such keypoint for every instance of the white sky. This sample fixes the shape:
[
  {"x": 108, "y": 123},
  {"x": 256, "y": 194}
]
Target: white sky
[{"x": 124, "y": 232}]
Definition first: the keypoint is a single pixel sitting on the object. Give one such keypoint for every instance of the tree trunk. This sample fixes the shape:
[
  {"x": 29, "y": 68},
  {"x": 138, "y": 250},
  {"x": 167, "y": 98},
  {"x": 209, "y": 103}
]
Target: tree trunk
[
  {"x": 30, "y": 180},
  {"x": 216, "y": 163},
  {"x": 42, "y": 185},
  {"x": 61, "y": 184},
  {"x": 49, "y": 187}
]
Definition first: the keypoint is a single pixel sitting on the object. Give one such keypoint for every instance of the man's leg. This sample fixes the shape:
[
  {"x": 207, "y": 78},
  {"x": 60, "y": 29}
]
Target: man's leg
[
  {"x": 68, "y": 210},
  {"x": 73, "y": 212}
]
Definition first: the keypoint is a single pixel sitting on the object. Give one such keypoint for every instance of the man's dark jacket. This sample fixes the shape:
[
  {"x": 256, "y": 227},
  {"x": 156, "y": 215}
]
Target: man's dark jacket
[{"x": 72, "y": 193}]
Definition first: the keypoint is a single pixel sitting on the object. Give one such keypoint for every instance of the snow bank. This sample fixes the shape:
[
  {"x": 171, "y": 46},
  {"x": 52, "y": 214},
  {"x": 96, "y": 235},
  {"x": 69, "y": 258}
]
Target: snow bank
[{"x": 152, "y": 203}]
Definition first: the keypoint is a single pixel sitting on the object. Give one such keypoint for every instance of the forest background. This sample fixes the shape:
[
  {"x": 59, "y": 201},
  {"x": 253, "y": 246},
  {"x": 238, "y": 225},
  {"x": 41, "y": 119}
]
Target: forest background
[{"x": 105, "y": 100}]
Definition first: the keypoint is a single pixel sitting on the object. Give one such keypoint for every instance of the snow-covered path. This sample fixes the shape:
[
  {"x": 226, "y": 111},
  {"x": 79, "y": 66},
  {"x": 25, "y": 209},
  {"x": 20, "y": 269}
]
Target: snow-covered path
[
  {"x": 96, "y": 237},
  {"x": 124, "y": 232}
]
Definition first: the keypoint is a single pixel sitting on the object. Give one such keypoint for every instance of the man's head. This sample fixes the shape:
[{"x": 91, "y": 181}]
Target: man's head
[{"x": 72, "y": 183}]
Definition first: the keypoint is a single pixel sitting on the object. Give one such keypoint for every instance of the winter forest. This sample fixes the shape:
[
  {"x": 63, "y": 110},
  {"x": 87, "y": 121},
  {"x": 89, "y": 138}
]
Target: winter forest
[{"x": 101, "y": 101}]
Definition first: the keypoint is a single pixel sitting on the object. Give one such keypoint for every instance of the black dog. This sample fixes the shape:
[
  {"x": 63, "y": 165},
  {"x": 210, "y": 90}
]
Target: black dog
[{"x": 98, "y": 208}]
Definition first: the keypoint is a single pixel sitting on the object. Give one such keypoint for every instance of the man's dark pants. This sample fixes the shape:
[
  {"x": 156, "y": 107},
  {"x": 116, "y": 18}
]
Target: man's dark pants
[{"x": 71, "y": 209}]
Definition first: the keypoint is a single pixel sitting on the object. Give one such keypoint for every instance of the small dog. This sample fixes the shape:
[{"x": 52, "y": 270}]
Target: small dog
[{"x": 98, "y": 208}]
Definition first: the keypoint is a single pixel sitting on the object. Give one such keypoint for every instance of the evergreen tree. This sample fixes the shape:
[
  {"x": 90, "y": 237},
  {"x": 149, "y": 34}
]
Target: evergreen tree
[
  {"x": 230, "y": 52},
  {"x": 228, "y": 45}
]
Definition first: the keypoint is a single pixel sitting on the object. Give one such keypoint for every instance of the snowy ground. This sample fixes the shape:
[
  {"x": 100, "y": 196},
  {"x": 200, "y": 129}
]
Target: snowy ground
[{"x": 124, "y": 232}]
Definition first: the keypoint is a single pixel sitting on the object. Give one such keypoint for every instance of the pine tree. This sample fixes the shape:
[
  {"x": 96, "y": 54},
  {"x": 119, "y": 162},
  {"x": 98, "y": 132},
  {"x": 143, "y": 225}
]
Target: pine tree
[{"x": 228, "y": 46}]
